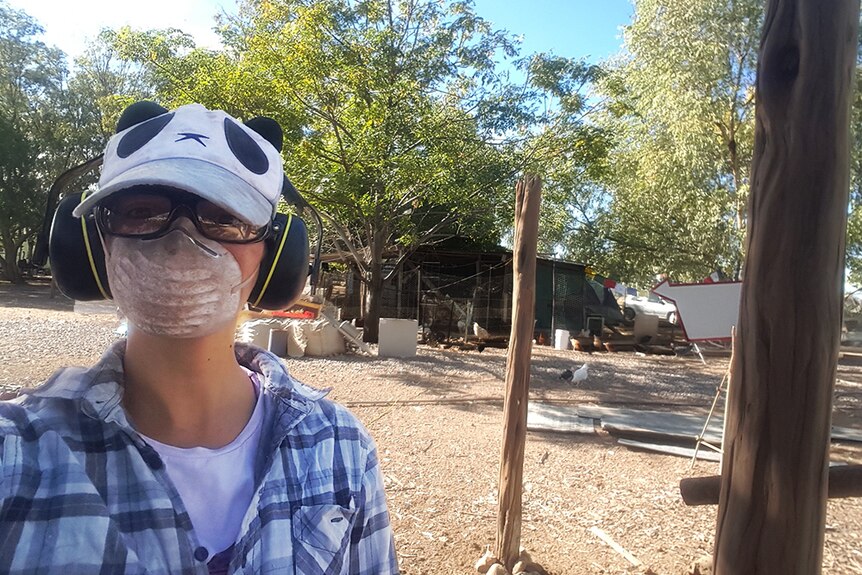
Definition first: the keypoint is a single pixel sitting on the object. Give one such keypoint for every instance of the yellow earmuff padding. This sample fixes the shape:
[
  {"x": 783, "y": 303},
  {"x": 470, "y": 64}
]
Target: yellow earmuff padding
[
  {"x": 90, "y": 257},
  {"x": 274, "y": 260}
]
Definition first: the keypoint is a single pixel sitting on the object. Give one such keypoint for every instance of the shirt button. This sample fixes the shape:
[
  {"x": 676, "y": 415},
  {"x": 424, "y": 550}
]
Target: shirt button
[{"x": 201, "y": 554}]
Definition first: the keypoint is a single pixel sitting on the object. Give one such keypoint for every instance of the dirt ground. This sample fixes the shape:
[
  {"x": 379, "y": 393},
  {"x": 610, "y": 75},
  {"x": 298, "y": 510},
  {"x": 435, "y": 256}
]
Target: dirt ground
[{"x": 437, "y": 420}]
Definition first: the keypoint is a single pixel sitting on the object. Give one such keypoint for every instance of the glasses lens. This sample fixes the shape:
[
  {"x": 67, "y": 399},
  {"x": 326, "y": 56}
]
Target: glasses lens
[
  {"x": 219, "y": 224},
  {"x": 136, "y": 214}
]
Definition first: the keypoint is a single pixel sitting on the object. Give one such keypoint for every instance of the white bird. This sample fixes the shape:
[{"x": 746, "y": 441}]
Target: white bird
[
  {"x": 580, "y": 374},
  {"x": 479, "y": 331}
]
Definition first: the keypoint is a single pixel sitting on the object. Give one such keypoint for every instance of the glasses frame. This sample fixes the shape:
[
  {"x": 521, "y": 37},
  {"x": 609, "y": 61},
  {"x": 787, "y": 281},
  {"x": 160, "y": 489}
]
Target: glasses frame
[{"x": 181, "y": 204}]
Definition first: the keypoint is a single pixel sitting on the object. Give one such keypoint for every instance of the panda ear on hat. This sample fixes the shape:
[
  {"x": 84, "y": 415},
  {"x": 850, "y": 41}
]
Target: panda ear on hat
[
  {"x": 269, "y": 129},
  {"x": 139, "y": 112}
]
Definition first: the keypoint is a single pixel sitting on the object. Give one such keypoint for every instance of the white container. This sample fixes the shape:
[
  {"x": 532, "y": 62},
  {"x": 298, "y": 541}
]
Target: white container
[
  {"x": 397, "y": 337},
  {"x": 256, "y": 332},
  {"x": 562, "y": 339},
  {"x": 278, "y": 342},
  {"x": 646, "y": 326},
  {"x": 322, "y": 339}
]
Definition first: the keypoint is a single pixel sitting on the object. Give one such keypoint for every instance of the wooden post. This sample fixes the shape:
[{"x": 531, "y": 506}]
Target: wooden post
[
  {"x": 528, "y": 192},
  {"x": 772, "y": 504}
]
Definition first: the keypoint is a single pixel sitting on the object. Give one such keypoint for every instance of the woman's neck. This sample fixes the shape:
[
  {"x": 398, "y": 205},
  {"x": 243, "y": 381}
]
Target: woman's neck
[{"x": 186, "y": 392}]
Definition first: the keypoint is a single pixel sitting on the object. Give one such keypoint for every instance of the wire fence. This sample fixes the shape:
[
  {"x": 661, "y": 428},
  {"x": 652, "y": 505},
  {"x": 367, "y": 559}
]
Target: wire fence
[{"x": 463, "y": 294}]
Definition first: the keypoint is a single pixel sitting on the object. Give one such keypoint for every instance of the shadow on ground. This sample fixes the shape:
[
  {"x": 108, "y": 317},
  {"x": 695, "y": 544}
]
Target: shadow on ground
[{"x": 35, "y": 295}]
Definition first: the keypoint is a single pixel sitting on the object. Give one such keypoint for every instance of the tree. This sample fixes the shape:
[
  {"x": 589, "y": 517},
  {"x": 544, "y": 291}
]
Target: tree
[
  {"x": 31, "y": 79},
  {"x": 101, "y": 87},
  {"x": 397, "y": 121},
  {"x": 50, "y": 122},
  {"x": 854, "y": 223},
  {"x": 570, "y": 152},
  {"x": 772, "y": 505},
  {"x": 679, "y": 106}
]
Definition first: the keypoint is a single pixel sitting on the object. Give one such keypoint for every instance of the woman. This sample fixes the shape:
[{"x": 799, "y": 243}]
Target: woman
[{"x": 182, "y": 451}]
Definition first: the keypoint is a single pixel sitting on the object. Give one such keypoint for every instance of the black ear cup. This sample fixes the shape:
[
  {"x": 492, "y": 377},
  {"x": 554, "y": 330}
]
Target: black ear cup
[
  {"x": 284, "y": 269},
  {"x": 76, "y": 254}
]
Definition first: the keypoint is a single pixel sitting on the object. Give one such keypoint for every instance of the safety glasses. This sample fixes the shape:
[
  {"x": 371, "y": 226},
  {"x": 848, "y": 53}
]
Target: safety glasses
[{"x": 149, "y": 214}]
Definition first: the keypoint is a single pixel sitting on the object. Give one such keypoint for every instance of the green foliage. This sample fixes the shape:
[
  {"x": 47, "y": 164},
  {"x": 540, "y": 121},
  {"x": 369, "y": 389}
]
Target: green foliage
[
  {"x": 49, "y": 123},
  {"x": 679, "y": 110},
  {"x": 31, "y": 78},
  {"x": 398, "y": 125},
  {"x": 109, "y": 83},
  {"x": 854, "y": 221},
  {"x": 569, "y": 153}
]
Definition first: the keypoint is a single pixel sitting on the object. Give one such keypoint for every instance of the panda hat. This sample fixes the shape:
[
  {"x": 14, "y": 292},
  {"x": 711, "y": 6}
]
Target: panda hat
[{"x": 236, "y": 166}]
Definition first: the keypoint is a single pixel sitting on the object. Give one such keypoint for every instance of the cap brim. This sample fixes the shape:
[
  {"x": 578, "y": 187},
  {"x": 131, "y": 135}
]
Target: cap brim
[{"x": 203, "y": 179}]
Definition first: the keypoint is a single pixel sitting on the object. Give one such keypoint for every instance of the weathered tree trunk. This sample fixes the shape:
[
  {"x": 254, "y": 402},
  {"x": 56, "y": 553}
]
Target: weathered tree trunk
[
  {"x": 370, "y": 333},
  {"x": 528, "y": 194},
  {"x": 772, "y": 503},
  {"x": 10, "y": 257}
]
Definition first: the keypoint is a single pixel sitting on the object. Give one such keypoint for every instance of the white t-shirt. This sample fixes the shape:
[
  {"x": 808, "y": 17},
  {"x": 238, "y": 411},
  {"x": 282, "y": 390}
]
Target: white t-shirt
[{"x": 216, "y": 485}]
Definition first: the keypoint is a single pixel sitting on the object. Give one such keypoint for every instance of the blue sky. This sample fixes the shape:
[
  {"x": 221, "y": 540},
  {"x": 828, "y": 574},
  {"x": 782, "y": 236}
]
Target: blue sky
[{"x": 572, "y": 28}]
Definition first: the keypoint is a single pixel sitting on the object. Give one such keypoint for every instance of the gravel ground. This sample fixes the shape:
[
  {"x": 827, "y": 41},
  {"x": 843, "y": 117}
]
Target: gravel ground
[{"x": 437, "y": 422}]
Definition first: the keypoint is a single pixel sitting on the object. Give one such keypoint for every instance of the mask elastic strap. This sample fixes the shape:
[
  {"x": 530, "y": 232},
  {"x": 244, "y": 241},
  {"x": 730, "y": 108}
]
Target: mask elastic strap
[{"x": 243, "y": 283}]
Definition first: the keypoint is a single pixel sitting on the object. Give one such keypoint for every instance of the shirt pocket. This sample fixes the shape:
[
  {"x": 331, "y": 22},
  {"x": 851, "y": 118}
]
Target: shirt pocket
[{"x": 321, "y": 535}]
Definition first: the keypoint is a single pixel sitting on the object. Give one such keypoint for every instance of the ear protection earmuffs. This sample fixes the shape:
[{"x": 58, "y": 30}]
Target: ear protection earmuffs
[
  {"x": 284, "y": 268},
  {"x": 76, "y": 254},
  {"x": 78, "y": 259}
]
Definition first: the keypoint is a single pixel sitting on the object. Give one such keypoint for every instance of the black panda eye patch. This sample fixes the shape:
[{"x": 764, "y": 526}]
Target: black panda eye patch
[
  {"x": 138, "y": 136},
  {"x": 245, "y": 148}
]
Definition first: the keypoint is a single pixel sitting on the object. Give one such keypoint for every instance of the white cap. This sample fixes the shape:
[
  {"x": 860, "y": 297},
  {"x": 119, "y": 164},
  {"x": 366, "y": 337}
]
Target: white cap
[{"x": 205, "y": 152}]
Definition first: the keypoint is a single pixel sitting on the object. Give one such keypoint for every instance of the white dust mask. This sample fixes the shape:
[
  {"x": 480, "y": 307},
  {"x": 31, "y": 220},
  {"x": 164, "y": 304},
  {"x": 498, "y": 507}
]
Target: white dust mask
[{"x": 179, "y": 285}]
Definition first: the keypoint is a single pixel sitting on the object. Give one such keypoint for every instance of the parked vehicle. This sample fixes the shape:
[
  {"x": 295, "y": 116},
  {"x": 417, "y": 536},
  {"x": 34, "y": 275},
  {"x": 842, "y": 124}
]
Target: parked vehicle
[{"x": 650, "y": 305}]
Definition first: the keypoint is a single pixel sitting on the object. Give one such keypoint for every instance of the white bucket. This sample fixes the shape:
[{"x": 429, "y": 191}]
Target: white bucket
[
  {"x": 397, "y": 337},
  {"x": 562, "y": 339}
]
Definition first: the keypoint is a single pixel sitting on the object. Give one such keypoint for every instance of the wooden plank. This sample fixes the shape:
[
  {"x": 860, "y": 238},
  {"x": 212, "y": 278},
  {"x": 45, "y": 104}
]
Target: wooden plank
[
  {"x": 559, "y": 418},
  {"x": 615, "y": 546},
  {"x": 772, "y": 508},
  {"x": 654, "y": 423},
  {"x": 846, "y": 434},
  {"x": 669, "y": 424},
  {"x": 704, "y": 453},
  {"x": 844, "y": 481},
  {"x": 528, "y": 193}
]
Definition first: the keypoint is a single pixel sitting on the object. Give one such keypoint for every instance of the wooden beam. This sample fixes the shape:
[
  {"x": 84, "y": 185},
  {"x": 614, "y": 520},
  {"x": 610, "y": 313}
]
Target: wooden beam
[
  {"x": 528, "y": 193},
  {"x": 772, "y": 503},
  {"x": 844, "y": 481}
]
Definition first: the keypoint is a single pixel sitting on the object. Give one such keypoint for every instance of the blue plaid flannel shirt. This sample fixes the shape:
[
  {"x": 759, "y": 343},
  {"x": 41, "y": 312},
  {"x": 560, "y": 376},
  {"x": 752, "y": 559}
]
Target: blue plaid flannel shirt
[{"x": 81, "y": 492}]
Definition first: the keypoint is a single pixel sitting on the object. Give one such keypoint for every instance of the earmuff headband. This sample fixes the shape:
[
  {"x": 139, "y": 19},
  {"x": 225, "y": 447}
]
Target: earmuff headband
[
  {"x": 90, "y": 257},
  {"x": 275, "y": 260}
]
